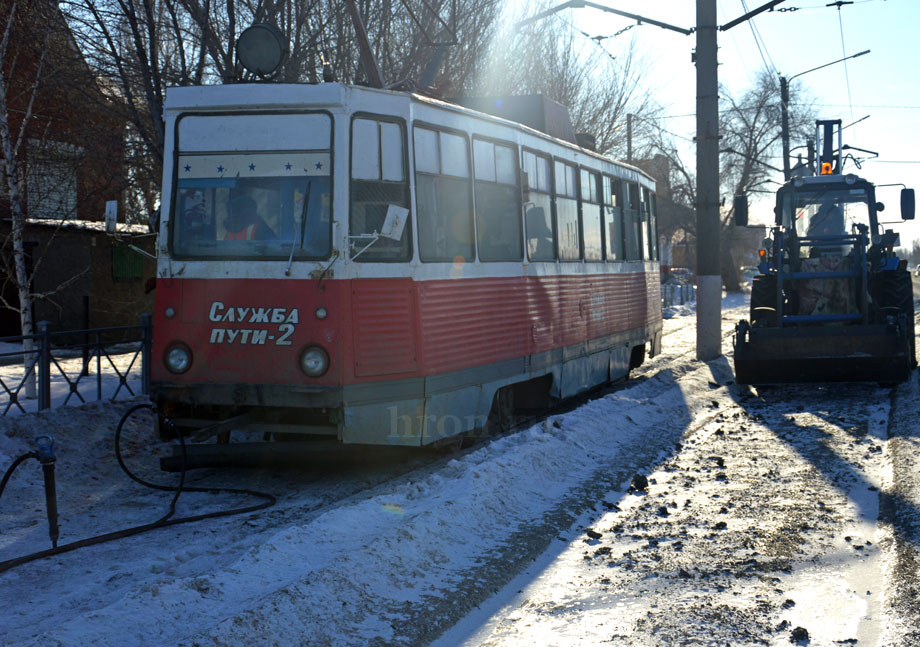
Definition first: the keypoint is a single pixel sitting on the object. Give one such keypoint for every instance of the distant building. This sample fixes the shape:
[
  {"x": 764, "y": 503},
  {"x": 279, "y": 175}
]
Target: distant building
[{"x": 72, "y": 155}]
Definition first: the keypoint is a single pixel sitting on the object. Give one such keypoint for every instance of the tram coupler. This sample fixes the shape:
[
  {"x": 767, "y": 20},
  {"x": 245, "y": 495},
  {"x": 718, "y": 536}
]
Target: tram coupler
[{"x": 46, "y": 458}]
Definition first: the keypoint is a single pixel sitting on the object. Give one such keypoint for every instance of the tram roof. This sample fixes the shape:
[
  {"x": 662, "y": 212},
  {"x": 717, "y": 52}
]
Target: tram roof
[{"x": 288, "y": 96}]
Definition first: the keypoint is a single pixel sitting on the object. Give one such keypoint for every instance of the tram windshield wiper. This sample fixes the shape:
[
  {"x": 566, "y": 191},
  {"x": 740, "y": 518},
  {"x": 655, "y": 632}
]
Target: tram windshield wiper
[{"x": 304, "y": 210}]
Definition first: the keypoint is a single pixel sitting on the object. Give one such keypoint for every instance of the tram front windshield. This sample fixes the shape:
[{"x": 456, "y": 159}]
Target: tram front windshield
[{"x": 252, "y": 206}]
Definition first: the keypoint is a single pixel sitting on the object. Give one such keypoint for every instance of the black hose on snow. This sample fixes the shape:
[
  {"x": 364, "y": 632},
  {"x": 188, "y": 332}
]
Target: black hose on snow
[
  {"x": 16, "y": 463},
  {"x": 162, "y": 522}
]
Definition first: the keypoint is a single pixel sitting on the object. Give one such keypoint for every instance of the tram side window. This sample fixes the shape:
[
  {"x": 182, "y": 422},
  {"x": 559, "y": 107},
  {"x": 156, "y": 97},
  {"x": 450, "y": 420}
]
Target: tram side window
[
  {"x": 645, "y": 242},
  {"x": 538, "y": 209},
  {"x": 648, "y": 205},
  {"x": 498, "y": 202},
  {"x": 613, "y": 218},
  {"x": 567, "y": 212},
  {"x": 378, "y": 181},
  {"x": 442, "y": 196},
  {"x": 633, "y": 223},
  {"x": 591, "y": 216}
]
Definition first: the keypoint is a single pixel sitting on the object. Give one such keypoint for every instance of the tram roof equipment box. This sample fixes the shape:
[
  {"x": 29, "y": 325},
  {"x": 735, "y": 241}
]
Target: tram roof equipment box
[{"x": 534, "y": 110}]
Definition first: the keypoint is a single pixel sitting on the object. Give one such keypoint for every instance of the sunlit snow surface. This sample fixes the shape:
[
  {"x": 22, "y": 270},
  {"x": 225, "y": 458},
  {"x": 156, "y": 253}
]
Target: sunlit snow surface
[{"x": 391, "y": 557}]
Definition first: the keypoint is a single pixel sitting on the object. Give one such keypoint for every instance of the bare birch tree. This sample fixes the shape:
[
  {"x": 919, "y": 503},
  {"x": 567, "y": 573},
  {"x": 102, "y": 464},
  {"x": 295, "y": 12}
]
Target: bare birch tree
[
  {"x": 11, "y": 143},
  {"x": 42, "y": 137}
]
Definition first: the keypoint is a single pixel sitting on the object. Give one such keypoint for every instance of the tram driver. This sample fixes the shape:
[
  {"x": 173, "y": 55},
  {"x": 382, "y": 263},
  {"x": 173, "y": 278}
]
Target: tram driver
[{"x": 244, "y": 221}]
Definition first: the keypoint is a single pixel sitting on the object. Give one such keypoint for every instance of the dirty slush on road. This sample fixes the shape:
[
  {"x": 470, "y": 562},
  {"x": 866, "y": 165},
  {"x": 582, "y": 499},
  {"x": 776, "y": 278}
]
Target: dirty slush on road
[{"x": 759, "y": 529}]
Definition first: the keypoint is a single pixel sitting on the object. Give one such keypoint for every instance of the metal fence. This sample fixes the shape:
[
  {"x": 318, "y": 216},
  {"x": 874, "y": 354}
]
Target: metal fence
[
  {"x": 677, "y": 294},
  {"x": 74, "y": 366}
]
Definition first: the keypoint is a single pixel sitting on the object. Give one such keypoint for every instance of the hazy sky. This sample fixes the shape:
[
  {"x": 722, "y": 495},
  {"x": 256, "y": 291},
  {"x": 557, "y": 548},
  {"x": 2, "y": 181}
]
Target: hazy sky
[{"x": 882, "y": 84}]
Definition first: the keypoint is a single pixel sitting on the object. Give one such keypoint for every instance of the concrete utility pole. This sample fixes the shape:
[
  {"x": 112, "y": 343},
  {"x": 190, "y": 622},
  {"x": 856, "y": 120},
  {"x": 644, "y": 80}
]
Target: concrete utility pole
[
  {"x": 708, "y": 257},
  {"x": 784, "y": 108},
  {"x": 708, "y": 222}
]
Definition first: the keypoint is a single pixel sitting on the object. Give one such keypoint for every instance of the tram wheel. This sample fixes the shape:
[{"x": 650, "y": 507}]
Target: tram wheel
[{"x": 501, "y": 416}]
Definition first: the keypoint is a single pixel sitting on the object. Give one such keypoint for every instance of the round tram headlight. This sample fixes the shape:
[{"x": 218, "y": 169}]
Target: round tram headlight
[
  {"x": 261, "y": 49},
  {"x": 178, "y": 358},
  {"x": 314, "y": 361}
]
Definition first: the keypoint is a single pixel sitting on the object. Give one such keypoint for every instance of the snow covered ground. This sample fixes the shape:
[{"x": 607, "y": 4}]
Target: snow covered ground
[{"x": 765, "y": 513}]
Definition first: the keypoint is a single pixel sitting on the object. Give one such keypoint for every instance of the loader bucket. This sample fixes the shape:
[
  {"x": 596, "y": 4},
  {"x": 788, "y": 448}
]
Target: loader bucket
[{"x": 855, "y": 353}]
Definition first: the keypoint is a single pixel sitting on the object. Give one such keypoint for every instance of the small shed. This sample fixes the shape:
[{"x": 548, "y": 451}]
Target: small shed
[{"x": 90, "y": 278}]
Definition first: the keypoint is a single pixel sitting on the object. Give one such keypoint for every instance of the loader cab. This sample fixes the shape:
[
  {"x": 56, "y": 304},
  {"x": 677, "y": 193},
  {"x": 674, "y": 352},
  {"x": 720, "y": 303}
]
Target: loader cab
[
  {"x": 820, "y": 207},
  {"x": 833, "y": 205}
]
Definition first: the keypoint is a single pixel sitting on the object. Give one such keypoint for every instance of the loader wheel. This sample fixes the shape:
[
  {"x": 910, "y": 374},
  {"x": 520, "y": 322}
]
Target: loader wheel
[
  {"x": 763, "y": 293},
  {"x": 896, "y": 290},
  {"x": 764, "y": 318}
]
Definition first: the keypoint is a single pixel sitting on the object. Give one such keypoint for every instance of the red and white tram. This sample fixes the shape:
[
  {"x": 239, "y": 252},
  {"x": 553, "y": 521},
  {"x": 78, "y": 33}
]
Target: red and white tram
[{"x": 382, "y": 267}]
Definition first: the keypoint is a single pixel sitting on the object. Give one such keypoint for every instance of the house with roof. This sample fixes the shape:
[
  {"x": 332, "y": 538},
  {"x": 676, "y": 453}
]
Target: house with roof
[{"x": 71, "y": 165}]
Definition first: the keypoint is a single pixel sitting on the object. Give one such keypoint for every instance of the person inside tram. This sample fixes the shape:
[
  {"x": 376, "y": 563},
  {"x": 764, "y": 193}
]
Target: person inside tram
[
  {"x": 244, "y": 221},
  {"x": 539, "y": 235}
]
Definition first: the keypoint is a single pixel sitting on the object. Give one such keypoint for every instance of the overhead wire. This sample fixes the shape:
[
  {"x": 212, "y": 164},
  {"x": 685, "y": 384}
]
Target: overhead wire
[
  {"x": 878, "y": 161},
  {"x": 865, "y": 105},
  {"x": 846, "y": 67},
  {"x": 740, "y": 55},
  {"x": 762, "y": 49},
  {"x": 817, "y": 6},
  {"x": 664, "y": 130},
  {"x": 761, "y": 44},
  {"x": 597, "y": 42}
]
